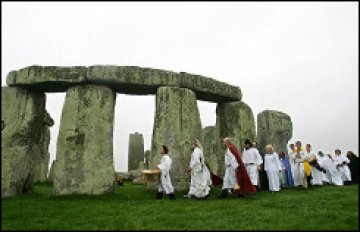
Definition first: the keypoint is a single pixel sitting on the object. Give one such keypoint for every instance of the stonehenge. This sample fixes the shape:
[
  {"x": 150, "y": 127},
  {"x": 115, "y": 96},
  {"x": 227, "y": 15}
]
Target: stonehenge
[
  {"x": 122, "y": 79},
  {"x": 23, "y": 119},
  {"x": 177, "y": 122},
  {"x": 211, "y": 144},
  {"x": 84, "y": 159},
  {"x": 42, "y": 163},
  {"x": 236, "y": 121},
  {"x": 47, "y": 78},
  {"x": 84, "y": 156},
  {"x": 136, "y": 151},
  {"x": 273, "y": 127}
]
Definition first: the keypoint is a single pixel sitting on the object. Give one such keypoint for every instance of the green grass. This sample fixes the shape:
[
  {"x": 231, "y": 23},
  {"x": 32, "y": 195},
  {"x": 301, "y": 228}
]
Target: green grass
[{"x": 133, "y": 207}]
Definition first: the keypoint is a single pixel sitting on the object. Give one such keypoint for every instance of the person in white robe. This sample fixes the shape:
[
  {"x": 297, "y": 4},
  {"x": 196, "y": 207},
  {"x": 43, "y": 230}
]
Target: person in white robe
[
  {"x": 316, "y": 174},
  {"x": 332, "y": 173},
  {"x": 298, "y": 160},
  {"x": 252, "y": 161},
  {"x": 273, "y": 168},
  {"x": 291, "y": 154},
  {"x": 341, "y": 162},
  {"x": 320, "y": 157},
  {"x": 165, "y": 180},
  {"x": 229, "y": 181},
  {"x": 200, "y": 175},
  {"x": 262, "y": 179}
]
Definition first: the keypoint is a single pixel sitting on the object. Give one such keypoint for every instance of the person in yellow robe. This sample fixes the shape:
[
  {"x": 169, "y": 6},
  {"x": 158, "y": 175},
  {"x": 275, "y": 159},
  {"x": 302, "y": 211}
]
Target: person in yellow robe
[{"x": 299, "y": 166}]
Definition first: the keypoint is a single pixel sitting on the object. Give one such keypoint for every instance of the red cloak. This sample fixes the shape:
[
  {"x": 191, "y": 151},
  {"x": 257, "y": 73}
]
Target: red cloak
[
  {"x": 216, "y": 180},
  {"x": 242, "y": 176}
]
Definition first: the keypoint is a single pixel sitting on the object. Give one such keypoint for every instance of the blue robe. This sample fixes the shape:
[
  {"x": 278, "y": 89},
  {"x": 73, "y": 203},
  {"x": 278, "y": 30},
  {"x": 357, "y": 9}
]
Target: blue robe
[{"x": 288, "y": 174}]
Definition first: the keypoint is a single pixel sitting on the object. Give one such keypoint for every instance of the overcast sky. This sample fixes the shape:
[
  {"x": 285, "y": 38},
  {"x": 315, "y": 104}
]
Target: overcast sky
[{"x": 300, "y": 58}]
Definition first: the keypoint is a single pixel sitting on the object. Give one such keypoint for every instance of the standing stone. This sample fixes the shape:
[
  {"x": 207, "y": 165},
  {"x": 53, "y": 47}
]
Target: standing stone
[
  {"x": 177, "y": 122},
  {"x": 210, "y": 148},
  {"x": 147, "y": 159},
  {"x": 136, "y": 151},
  {"x": 22, "y": 118},
  {"x": 236, "y": 121},
  {"x": 42, "y": 163},
  {"x": 84, "y": 158},
  {"x": 274, "y": 127}
]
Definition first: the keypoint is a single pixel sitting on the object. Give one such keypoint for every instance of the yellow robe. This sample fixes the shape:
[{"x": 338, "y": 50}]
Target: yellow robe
[{"x": 307, "y": 167}]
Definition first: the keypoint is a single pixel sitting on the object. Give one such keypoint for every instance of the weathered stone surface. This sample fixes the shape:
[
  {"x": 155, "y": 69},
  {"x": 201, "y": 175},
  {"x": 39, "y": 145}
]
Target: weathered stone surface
[
  {"x": 234, "y": 120},
  {"x": 211, "y": 145},
  {"x": 42, "y": 161},
  {"x": 22, "y": 117},
  {"x": 273, "y": 127},
  {"x": 47, "y": 78},
  {"x": 132, "y": 79},
  {"x": 84, "y": 158},
  {"x": 177, "y": 123},
  {"x": 208, "y": 89},
  {"x": 136, "y": 80},
  {"x": 136, "y": 151},
  {"x": 123, "y": 79}
]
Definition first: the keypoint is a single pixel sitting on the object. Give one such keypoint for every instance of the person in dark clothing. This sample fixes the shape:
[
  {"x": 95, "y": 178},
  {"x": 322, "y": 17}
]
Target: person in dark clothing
[
  {"x": 264, "y": 183},
  {"x": 354, "y": 166}
]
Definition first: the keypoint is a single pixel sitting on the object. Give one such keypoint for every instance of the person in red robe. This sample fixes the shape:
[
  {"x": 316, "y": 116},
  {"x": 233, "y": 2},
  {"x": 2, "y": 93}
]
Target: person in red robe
[{"x": 244, "y": 184}]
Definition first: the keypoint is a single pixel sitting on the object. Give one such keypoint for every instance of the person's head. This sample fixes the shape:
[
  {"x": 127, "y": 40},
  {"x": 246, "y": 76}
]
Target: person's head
[
  {"x": 227, "y": 141},
  {"x": 247, "y": 144},
  {"x": 308, "y": 147},
  {"x": 164, "y": 150},
  {"x": 282, "y": 154},
  {"x": 292, "y": 146},
  {"x": 321, "y": 153},
  {"x": 298, "y": 145},
  {"x": 269, "y": 149},
  {"x": 196, "y": 143},
  {"x": 337, "y": 152},
  {"x": 350, "y": 154},
  {"x": 254, "y": 144}
]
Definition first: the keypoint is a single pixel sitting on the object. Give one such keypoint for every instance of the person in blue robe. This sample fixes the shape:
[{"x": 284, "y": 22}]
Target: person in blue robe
[{"x": 286, "y": 164}]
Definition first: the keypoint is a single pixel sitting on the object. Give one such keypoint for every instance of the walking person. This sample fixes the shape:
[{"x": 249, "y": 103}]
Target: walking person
[
  {"x": 252, "y": 161},
  {"x": 200, "y": 175},
  {"x": 272, "y": 168},
  {"x": 165, "y": 180},
  {"x": 236, "y": 178}
]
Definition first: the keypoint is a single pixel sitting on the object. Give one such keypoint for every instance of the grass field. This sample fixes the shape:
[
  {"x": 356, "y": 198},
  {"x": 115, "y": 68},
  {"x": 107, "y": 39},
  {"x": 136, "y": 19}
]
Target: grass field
[{"x": 133, "y": 207}]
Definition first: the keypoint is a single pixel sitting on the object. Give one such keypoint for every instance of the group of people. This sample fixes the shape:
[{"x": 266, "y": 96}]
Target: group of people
[
  {"x": 254, "y": 171},
  {"x": 309, "y": 168}
]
